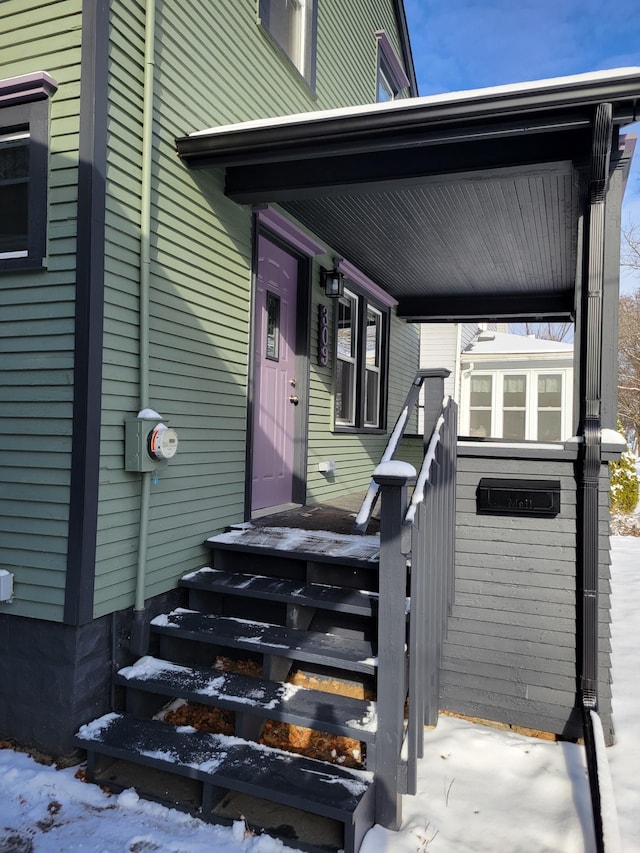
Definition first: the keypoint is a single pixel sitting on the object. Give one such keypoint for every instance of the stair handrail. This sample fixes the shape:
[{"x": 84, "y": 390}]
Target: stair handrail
[
  {"x": 423, "y": 476},
  {"x": 416, "y": 557},
  {"x": 370, "y": 499}
]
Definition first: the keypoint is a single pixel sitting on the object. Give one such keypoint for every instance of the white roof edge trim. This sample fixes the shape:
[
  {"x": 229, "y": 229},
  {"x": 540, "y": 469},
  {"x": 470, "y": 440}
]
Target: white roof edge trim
[
  {"x": 515, "y": 355},
  {"x": 407, "y": 104}
]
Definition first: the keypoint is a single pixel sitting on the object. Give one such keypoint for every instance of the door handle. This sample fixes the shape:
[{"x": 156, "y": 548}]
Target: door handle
[{"x": 293, "y": 399}]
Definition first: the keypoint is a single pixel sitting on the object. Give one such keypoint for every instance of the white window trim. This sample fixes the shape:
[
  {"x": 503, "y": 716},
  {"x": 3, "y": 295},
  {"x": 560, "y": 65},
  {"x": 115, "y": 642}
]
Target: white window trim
[
  {"x": 531, "y": 418},
  {"x": 301, "y": 52},
  {"x": 498, "y": 403},
  {"x": 374, "y": 368},
  {"x": 351, "y": 359},
  {"x": 359, "y": 422}
]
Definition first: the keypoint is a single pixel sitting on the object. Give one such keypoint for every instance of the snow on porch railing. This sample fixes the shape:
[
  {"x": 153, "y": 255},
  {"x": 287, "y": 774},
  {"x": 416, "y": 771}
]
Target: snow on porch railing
[
  {"x": 433, "y": 382},
  {"x": 416, "y": 558}
]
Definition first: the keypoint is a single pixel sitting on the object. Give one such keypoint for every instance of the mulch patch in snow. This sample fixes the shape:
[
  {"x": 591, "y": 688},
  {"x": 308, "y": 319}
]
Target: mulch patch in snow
[
  {"x": 625, "y": 525},
  {"x": 313, "y": 744}
]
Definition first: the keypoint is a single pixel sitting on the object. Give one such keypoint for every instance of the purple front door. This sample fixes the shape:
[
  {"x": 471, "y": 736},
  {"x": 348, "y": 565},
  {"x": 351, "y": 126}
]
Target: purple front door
[{"x": 275, "y": 380}]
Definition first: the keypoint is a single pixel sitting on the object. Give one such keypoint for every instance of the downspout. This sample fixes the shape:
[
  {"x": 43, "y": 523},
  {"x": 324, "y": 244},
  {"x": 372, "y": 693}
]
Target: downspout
[
  {"x": 456, "y": 370},
  {"x": 139, "y": 628},
  {"x": 591, "y": 461}
]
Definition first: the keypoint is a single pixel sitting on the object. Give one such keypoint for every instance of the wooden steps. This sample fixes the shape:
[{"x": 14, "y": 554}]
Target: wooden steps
[
  {"x": 222, "y": 764},
  {"x": 315, "y": 647},
  {"x": 323, "y": 596},
  {"x": 316, "y": 545},
  {"x": 300, "y": 706},
  {"x": 311, "y": 599}
]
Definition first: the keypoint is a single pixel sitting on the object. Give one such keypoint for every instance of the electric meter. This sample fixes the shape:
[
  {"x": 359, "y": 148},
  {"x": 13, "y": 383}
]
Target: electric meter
[
  {"x": 163, "y": 442},
  {"x": 148, "y": 443}
]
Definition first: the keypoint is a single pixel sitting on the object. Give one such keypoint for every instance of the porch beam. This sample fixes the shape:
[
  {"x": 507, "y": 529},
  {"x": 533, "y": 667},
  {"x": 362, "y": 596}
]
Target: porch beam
[
  {"x": 377, "y": 126},
  {"x": 407, "y": 160},
  {"x": 457, "y": 308}
]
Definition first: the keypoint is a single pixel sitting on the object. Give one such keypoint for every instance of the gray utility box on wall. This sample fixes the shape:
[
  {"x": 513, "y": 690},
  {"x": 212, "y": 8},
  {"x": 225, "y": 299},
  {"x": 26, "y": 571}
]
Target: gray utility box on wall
[
  {"x": 518, "y": 497},
  {"x": 148, "y": 444}
]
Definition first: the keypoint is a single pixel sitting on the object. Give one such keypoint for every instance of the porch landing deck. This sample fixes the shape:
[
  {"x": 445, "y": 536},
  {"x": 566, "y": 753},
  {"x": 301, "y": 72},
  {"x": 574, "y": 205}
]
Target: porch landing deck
[{"x": 337, "y": 517}]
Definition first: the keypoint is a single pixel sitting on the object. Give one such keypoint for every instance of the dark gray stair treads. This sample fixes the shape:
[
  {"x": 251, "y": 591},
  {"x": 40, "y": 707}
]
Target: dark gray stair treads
[
  {"x": 316, "y": 545},
  {"x": 231, "y": 763},
  {"x": 310, "y": 646},
  {"x": 301, "y": 706},
  {"x": 323, "y": 596}
]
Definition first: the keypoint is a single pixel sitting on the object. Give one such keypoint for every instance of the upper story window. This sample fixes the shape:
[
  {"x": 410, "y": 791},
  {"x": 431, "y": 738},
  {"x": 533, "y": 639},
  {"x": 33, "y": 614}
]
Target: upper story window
[
  {"x": 391, "y": 81},
  {"x": 24, "y": 134},
  {"x": 292, "y": 24},
  {"x": 361, "y": 347}
]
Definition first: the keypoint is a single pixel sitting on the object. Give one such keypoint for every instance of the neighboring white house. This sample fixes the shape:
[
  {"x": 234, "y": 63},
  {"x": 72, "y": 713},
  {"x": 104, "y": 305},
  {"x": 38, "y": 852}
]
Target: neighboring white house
[
  {"x": 441, "y": 345},
  {"x": 516, "y": 387},
  {"x": 508, "y": 386}
]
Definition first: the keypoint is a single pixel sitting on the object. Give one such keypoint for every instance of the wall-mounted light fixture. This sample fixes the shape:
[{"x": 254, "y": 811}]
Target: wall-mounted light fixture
[{"x": 332, "y": 282}]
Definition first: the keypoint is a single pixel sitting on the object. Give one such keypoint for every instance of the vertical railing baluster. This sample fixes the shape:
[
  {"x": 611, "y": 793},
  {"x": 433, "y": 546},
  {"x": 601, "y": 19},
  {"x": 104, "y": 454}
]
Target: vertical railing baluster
[
  {"x": 416, "y": 644},
  {"x": 451, "y": 438}
]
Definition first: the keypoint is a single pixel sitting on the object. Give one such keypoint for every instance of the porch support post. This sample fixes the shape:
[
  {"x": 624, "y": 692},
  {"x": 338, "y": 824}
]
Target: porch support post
[
  {"x": 433, "y": 390},
  {"x": 590, "y": 460},
  {"x": 392, "y": 478}
]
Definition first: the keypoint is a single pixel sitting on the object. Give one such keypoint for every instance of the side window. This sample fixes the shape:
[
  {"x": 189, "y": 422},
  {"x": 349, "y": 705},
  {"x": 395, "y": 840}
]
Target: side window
[
  {"x": 346, "y": 360},
  {"x": 549, "y": 414},
  {"x": 14, "y": 193},
  {"x": 530, "y": 406},
  {"x": 514, "y": 407},
  {"x": 361, "y": 345},
  {"x": 480, "y": 406},
  {"x": 387, "y": 90},
  {"x": 292, "y": 25},
  {"x": 373, "y": 367},
  {"x": 24, "y": 134},
  {"x": 391, "y": 79}
]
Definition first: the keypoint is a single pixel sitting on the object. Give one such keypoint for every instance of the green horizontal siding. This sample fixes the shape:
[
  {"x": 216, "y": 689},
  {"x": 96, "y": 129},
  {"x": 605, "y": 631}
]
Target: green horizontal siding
[
  {"x": 353, "y": 43},
  {"x": 213, "y": 65},
  {"x": 37, "y": 327}
]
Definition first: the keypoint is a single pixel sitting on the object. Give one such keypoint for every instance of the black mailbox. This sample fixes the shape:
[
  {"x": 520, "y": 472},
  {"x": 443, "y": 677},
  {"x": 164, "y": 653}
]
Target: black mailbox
[{"x": 539, "y": 498}]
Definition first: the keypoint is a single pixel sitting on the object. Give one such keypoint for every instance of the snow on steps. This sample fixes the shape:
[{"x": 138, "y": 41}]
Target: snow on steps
[
  {"x": 317, "y": 545},
  {"x": 323, "y": 596},
  {"x": 339, "y": 715},
  {"x": 292, "y": 643},
  {"x": 223, "y": 764}
]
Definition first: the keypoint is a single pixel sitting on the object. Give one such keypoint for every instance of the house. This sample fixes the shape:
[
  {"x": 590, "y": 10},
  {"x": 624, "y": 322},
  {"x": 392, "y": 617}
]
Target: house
[
  {"x": 516, "y": 387},
  {"x": 219, "y": 233}
]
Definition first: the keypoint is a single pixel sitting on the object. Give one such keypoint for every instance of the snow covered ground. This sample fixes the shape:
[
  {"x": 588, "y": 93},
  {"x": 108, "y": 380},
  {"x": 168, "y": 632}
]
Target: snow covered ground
[{"x": 480, "y": 789}]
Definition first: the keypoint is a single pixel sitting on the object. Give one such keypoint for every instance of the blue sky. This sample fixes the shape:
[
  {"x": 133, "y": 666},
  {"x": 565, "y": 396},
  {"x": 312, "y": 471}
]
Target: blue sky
[{"x": 469, "y": 44}]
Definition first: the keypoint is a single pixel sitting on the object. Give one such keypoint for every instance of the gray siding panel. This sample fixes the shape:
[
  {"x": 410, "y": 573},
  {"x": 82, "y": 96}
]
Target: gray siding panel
[{"x": 510, "y": 654}]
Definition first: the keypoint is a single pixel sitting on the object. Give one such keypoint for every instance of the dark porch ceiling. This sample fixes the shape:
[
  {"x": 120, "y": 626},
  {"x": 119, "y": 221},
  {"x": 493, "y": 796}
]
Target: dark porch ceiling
[{"x": 460, "y": 206}]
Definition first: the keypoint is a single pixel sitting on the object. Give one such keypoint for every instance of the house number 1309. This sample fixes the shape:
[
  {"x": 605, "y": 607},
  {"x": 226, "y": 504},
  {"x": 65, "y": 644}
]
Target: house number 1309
[{"x": 323, "y": 335}]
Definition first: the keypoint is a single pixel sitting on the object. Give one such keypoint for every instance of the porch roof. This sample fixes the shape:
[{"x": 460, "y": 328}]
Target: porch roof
[{"x": 463, "y": 205}]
